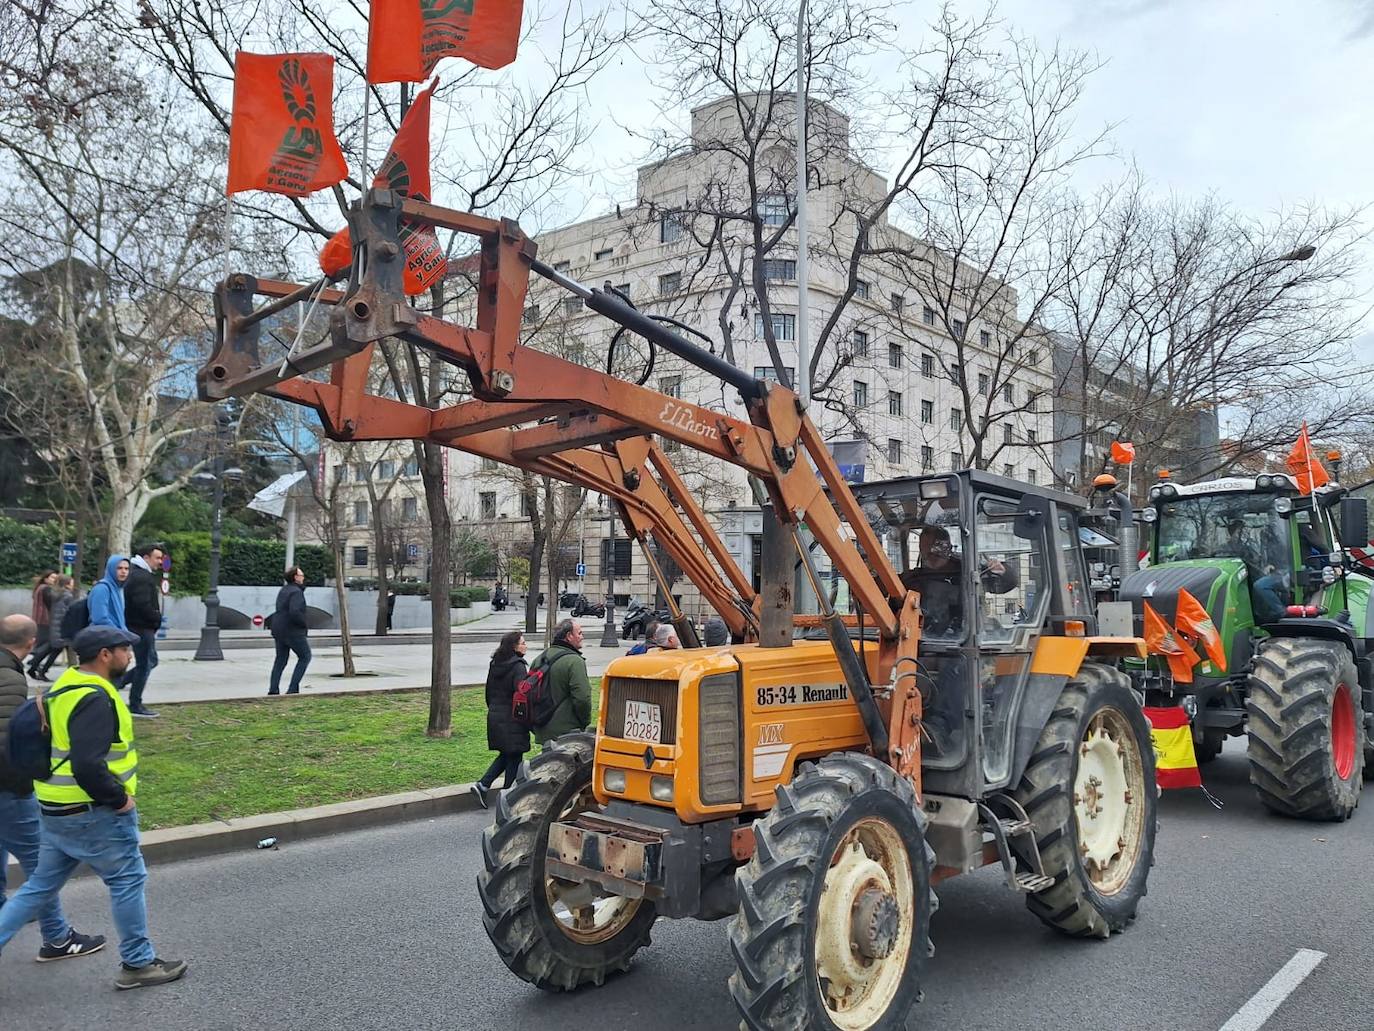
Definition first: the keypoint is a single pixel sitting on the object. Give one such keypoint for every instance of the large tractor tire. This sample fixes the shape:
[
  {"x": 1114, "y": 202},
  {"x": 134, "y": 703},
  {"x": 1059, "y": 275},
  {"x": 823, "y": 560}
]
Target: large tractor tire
[
  {"x": 554, "y": 934},
  {"x": 1089, "y": 789},
  {"x": 1209, "y": 747},
  {"x": 1305, "y": 728},
  {"x": 834, "y": 914}
]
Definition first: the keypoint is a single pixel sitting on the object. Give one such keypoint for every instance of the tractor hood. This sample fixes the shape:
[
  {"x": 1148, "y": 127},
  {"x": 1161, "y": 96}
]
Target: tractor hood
[{"x": 1220, "y": 584}]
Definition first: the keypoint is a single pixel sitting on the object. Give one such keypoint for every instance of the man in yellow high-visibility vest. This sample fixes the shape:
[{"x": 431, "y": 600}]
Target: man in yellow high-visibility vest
[{"x": 87, "y": 804}]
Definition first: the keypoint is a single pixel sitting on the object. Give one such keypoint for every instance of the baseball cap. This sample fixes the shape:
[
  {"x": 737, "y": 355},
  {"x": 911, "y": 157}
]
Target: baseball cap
[{"x": 89, "y": 642}]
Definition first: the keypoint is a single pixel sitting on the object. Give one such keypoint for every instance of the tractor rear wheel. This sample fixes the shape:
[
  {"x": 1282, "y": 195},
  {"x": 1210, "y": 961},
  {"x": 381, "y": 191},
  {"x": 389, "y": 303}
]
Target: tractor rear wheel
[
  {"x": 834, "y": 914},
  {"x": 1089, "y": 789},
  {"x": 1305, "y": 728},
  {"x": 555, "y": 934}
]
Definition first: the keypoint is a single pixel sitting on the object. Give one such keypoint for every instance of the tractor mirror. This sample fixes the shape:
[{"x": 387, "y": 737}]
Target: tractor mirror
[
  {"x": 1030, "y": 517},
  {"x": 1354, "y": 521}
]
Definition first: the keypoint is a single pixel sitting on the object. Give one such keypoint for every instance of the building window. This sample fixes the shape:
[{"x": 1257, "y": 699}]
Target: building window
[
  {"x": 561, "y": 266},
  {"x": 983, "y": 383},
  {"x": 927, "y": 458},
  {"x": 927, "y": 411},
  {"x": 1030, "y": 475},
  {"x": 524, "y": 505},
  {"x": 670, "y": 228},
  {"x": 669, "y": 283},
  {"x": 671, "y": 385},
  {"x": 954, "y": 460},
  {"x": 360, "y": 472},
  {"x": 622, "y": 288},
  {"x": 531, "y": 314},
  {"x": 860, "y": 394},
  {"x": 605, "y": 252},
  {"x": 1032, "y": 437},
  {"x": 894, "y": 450},
  {"x": 359, "y": 558},
  {"x": 1006, "y": 393},
  {"x": 340, "y": 473},
  {"x": 572, "y": 305},
  {"x": 360, "y": 513},
  {"x": 386, "y": 469},
  {"x": 1009, "y": 471},
  {"x": 956, "y": 420},
  {"x": 862, "y": 289},
  {"x": 928, "y": 315},
  {"x": 894, "y": 356},
  {"x": 957, "y": 328},
  {"x": 860, "y": 343},
  {"x": 898, "y": 302},
  {"x": 1006, "y": 433},
  {"x": 984, "y": 338},
  {"x": 487, "y": 504},
  {"x": 1032, "y": 400},
  {"x": 412, "y": 467},
  {"x": 927, "y": 365},
  {"x": 894, "y": 402},
  {"x": 488, "y": 465},
  {"x": 770, "y": 375},
  {"x": 774, "y": 209},
  {"x": 784, "y": 327},
  {"x": 779, "y": 270},
  {"x": 956, "y": 373},
  {"x": 410, "y": 509}
]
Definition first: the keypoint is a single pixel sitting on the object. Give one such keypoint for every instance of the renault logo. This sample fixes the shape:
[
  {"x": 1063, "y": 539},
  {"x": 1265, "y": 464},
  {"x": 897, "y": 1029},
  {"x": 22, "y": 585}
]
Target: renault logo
[{"x": 649, "y": 758}]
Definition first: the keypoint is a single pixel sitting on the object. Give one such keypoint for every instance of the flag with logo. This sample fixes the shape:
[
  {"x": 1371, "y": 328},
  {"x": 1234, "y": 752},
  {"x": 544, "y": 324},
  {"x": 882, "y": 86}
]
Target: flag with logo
[
  {"x": 1123, "y": 453},
  {"x": 1175, "y": 759},
  {"x": 1304, "y": 464},
  {"x": 405, "y": 170},
  {"x": 1161, "y": 639},
  {"x": 1193, "y": 619},
  {"x": 407, "y": 38},
  {"x": 281, "y": 134}
]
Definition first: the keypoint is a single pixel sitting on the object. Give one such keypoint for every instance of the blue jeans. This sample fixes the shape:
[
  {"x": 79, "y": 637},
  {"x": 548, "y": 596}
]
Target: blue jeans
[
  {"x": 285, "y": 646},
  {"x": 145, "y": 653},
  {"x": 107, "y": 842},
  {"x": 20, "y": 834}
]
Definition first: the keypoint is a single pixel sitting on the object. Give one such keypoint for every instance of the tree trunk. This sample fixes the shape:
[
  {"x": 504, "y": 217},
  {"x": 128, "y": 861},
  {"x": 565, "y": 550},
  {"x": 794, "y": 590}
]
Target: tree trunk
[
  {"x": 124, "y": 514},
  {"x": 379, "y": 556},
  {"x": 551, "y": 557},
  {"x": 440, "y": 577},
  {"x": 341, "y": 601},
  {"x": 537, "y": 528}
]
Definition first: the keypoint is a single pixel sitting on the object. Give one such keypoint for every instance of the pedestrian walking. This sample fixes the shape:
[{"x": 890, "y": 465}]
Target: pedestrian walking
[
  {"x": 143, "y": 614},
  {"x": 40, "y": 611},
  {"x": 640, "y": 647},
  {"x": 568, "y": 684},
  {"x": 105, "y": 603},
  {"x": 19, "y": 820},
  {"x": 87, "y": 808},
  {"x": 289, "y": 630},
  {"x": 64, "y": 594},
  {"x": 508, "y": 739}
]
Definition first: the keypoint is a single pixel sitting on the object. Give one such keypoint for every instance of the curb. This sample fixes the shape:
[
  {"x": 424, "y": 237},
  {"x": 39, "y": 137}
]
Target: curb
[{"x": 207, "y": 839}]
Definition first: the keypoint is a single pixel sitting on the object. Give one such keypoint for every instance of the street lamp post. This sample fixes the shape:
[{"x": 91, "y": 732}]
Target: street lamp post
[{"x": 609, "y": 637}]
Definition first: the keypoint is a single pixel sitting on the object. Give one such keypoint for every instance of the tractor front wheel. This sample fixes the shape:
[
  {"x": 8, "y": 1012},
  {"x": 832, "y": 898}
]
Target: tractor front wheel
[
  {"x": 835, "y": 904},
  {"x": 1306, "y": 728}
]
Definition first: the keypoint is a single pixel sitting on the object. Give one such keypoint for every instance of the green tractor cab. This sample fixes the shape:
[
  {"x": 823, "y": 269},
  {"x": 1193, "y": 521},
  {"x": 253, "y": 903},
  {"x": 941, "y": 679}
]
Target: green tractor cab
[{"x": 1292, "y": 611}]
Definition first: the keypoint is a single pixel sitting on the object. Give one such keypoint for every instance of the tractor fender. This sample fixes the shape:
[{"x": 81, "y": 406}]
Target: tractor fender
[
  {"x": 1037, "y": 706},
  {"x": 1325, "y": 629}
]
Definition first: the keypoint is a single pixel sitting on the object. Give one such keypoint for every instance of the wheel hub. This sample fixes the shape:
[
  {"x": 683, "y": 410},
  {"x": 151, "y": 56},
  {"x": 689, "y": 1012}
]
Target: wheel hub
[
  {"x": 874, "y": 925},
  {"x": 1101, "y": 798}
]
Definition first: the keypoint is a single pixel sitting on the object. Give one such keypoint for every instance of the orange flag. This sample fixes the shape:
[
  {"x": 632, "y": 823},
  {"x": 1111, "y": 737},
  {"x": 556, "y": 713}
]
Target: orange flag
[
  {"x": 1192, "y": 619},
  {"x": 1161, "y": 639},
  {"x": 1123, "y": 453},
  {"x": 405, "y": 170},
  {"x": 407, "y": 38},
  {"x": 281, "y": 136},
  {"x": 1304, "y": 464}
]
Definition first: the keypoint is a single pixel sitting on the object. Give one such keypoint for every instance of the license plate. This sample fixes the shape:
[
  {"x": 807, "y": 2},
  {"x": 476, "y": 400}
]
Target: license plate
[{"x": 643, "y": 722}]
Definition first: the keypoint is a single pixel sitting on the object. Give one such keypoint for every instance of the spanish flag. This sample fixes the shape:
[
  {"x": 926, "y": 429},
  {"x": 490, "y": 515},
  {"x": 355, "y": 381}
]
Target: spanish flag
[
  {"x": 1161, "y": 639},
  {"x": 1175, "y": 760}
]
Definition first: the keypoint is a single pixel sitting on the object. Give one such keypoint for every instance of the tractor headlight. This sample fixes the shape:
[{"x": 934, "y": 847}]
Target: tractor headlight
[
  {"x": 1264, "y": 481},
  {"x": 1168, "y": 491},
  {"x": 1283, "y": 506},
  {"x": 614, "y": 781},
  {"x": 1328, "y": 575},
  {"x": 1149, "y": 514},
  {"x": 661, "y": 788}
]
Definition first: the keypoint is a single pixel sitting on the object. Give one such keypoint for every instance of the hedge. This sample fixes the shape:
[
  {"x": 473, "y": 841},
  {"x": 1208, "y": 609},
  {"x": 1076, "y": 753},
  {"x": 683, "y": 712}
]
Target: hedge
[
  {"x": 459, "y": 597},
  {"x": 26, "y": 549},
  {"x": 244, "y": 562},
  {"x": 462, "y": 597}
]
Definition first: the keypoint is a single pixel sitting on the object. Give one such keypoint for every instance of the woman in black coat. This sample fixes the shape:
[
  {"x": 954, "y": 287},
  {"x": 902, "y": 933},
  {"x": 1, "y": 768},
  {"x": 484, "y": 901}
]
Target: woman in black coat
[{"x": 505, "y": 737}]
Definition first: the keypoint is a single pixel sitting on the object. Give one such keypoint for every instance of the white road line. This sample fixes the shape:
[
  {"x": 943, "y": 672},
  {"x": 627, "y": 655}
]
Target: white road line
[{"x": 1253, "y": 1015}]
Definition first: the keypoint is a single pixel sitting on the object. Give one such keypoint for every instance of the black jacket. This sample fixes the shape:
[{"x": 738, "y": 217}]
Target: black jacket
[
  {"x": 503, "y": 733},
  {"x": 14, "y": 689},
  {"x": 289, "y": 619},
  {"x": 142, "y": 600}
]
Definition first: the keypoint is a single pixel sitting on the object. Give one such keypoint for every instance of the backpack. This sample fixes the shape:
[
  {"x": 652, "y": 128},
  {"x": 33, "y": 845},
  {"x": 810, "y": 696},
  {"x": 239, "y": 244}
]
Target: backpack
[
  {"x": 532, "y": 704},
  {"x": 76, "y": 619},
  {"x": 30, "y": 739}
]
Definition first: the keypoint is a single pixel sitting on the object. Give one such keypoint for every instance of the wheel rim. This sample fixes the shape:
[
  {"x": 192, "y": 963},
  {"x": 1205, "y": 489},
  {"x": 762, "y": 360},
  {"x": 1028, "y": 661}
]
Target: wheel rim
[
  {"x": 1108, "y": 800},
  {"x": 1343, "y": 742},
  {"x": 579, "y": 913},
  {"x": 864, "y": 922}
]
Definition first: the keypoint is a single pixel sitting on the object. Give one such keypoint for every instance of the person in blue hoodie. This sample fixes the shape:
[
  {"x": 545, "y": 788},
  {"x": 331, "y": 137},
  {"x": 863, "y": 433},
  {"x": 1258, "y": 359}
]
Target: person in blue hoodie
[{"x": 106, "y": 600}]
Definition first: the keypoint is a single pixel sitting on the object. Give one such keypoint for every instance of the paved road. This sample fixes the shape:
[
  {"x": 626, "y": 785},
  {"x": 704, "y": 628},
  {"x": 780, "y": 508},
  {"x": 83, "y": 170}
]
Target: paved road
[{"x": 380, "y": 930}]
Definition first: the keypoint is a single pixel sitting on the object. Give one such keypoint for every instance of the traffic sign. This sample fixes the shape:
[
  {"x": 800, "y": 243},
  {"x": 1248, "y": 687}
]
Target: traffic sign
[
  {"x": 582, "y": 569},
  {"x": 69, "y": 553},
  {"x": 257, "y": 621},
  {"x": 412, "y": 551}
]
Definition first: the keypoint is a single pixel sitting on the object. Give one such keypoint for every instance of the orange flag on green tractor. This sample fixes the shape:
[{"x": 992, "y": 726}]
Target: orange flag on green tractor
[
  {"x": 1304, "y": 464},
  {"x": 1123, "y": 452},
  {"x": 405, "y": 170},
  {"x": 1161, "y": 639},
  {"x": 407, "y": 38},
  {"x": 1192, "y": 619},
  {"x": 281, "y": 135}
]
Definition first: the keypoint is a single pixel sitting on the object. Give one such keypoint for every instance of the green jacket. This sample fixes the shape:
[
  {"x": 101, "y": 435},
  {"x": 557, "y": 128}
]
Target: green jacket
[{"x": 570, "y": 688}]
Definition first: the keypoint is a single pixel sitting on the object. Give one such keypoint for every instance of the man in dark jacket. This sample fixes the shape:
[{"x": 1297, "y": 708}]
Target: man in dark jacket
[
  {"x": 143, "y": 616},
  {"x": 289, "y": 629},
  {"x": 568, "y": 684},
  {"x": 19, "y": 824}
]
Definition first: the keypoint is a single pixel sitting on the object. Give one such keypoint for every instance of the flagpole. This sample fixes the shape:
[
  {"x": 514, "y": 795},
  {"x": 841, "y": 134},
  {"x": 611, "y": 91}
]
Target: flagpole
[
  {"x": 1307, "y": 453},
  {"x": 228, "y": 234},
  {"x": 367, "y": 136}
]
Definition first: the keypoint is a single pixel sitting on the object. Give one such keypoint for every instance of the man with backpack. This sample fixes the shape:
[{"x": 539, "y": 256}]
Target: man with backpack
[
  {"x": 19, "y": 825},
  {"x": 569, "y": 690},
  {"x": 78, "y": 744},
  {"x": 143, "y": 616}
]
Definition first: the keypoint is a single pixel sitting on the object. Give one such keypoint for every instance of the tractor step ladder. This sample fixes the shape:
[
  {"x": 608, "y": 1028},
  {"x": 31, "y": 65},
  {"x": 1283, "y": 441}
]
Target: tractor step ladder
[{"x": 1017, "y": 826}]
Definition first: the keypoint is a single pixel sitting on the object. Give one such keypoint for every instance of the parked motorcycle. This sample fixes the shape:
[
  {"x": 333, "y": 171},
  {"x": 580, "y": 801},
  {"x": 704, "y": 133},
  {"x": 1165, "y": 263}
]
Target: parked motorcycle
[
  {"x": 637, "y": 615},
  {"x": 583, "y": 605}
]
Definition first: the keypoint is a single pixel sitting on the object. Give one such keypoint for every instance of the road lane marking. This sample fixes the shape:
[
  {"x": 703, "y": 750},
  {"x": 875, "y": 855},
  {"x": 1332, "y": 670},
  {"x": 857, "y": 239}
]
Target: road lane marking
[{"x": 1253, "y": 1015}]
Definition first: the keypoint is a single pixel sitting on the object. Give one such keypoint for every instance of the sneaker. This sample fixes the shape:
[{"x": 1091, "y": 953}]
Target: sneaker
[
  {"x": 479, "y": 793},
  {"x": 159, "y": 971},
  {"x": 75, "y": 945},
  {"x": 143, "y": 712},
  {"x": 35, "y": 675}
]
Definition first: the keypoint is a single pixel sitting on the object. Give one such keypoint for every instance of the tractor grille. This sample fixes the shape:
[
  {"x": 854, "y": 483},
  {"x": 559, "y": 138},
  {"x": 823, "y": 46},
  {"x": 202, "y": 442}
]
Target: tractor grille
[
  {"x": 662, "y": 693},
  {"x": 721, "y": 738}
]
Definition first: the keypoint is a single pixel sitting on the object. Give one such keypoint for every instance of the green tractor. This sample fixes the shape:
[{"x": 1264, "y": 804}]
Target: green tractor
[{"x": 1292, "y": 610}]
